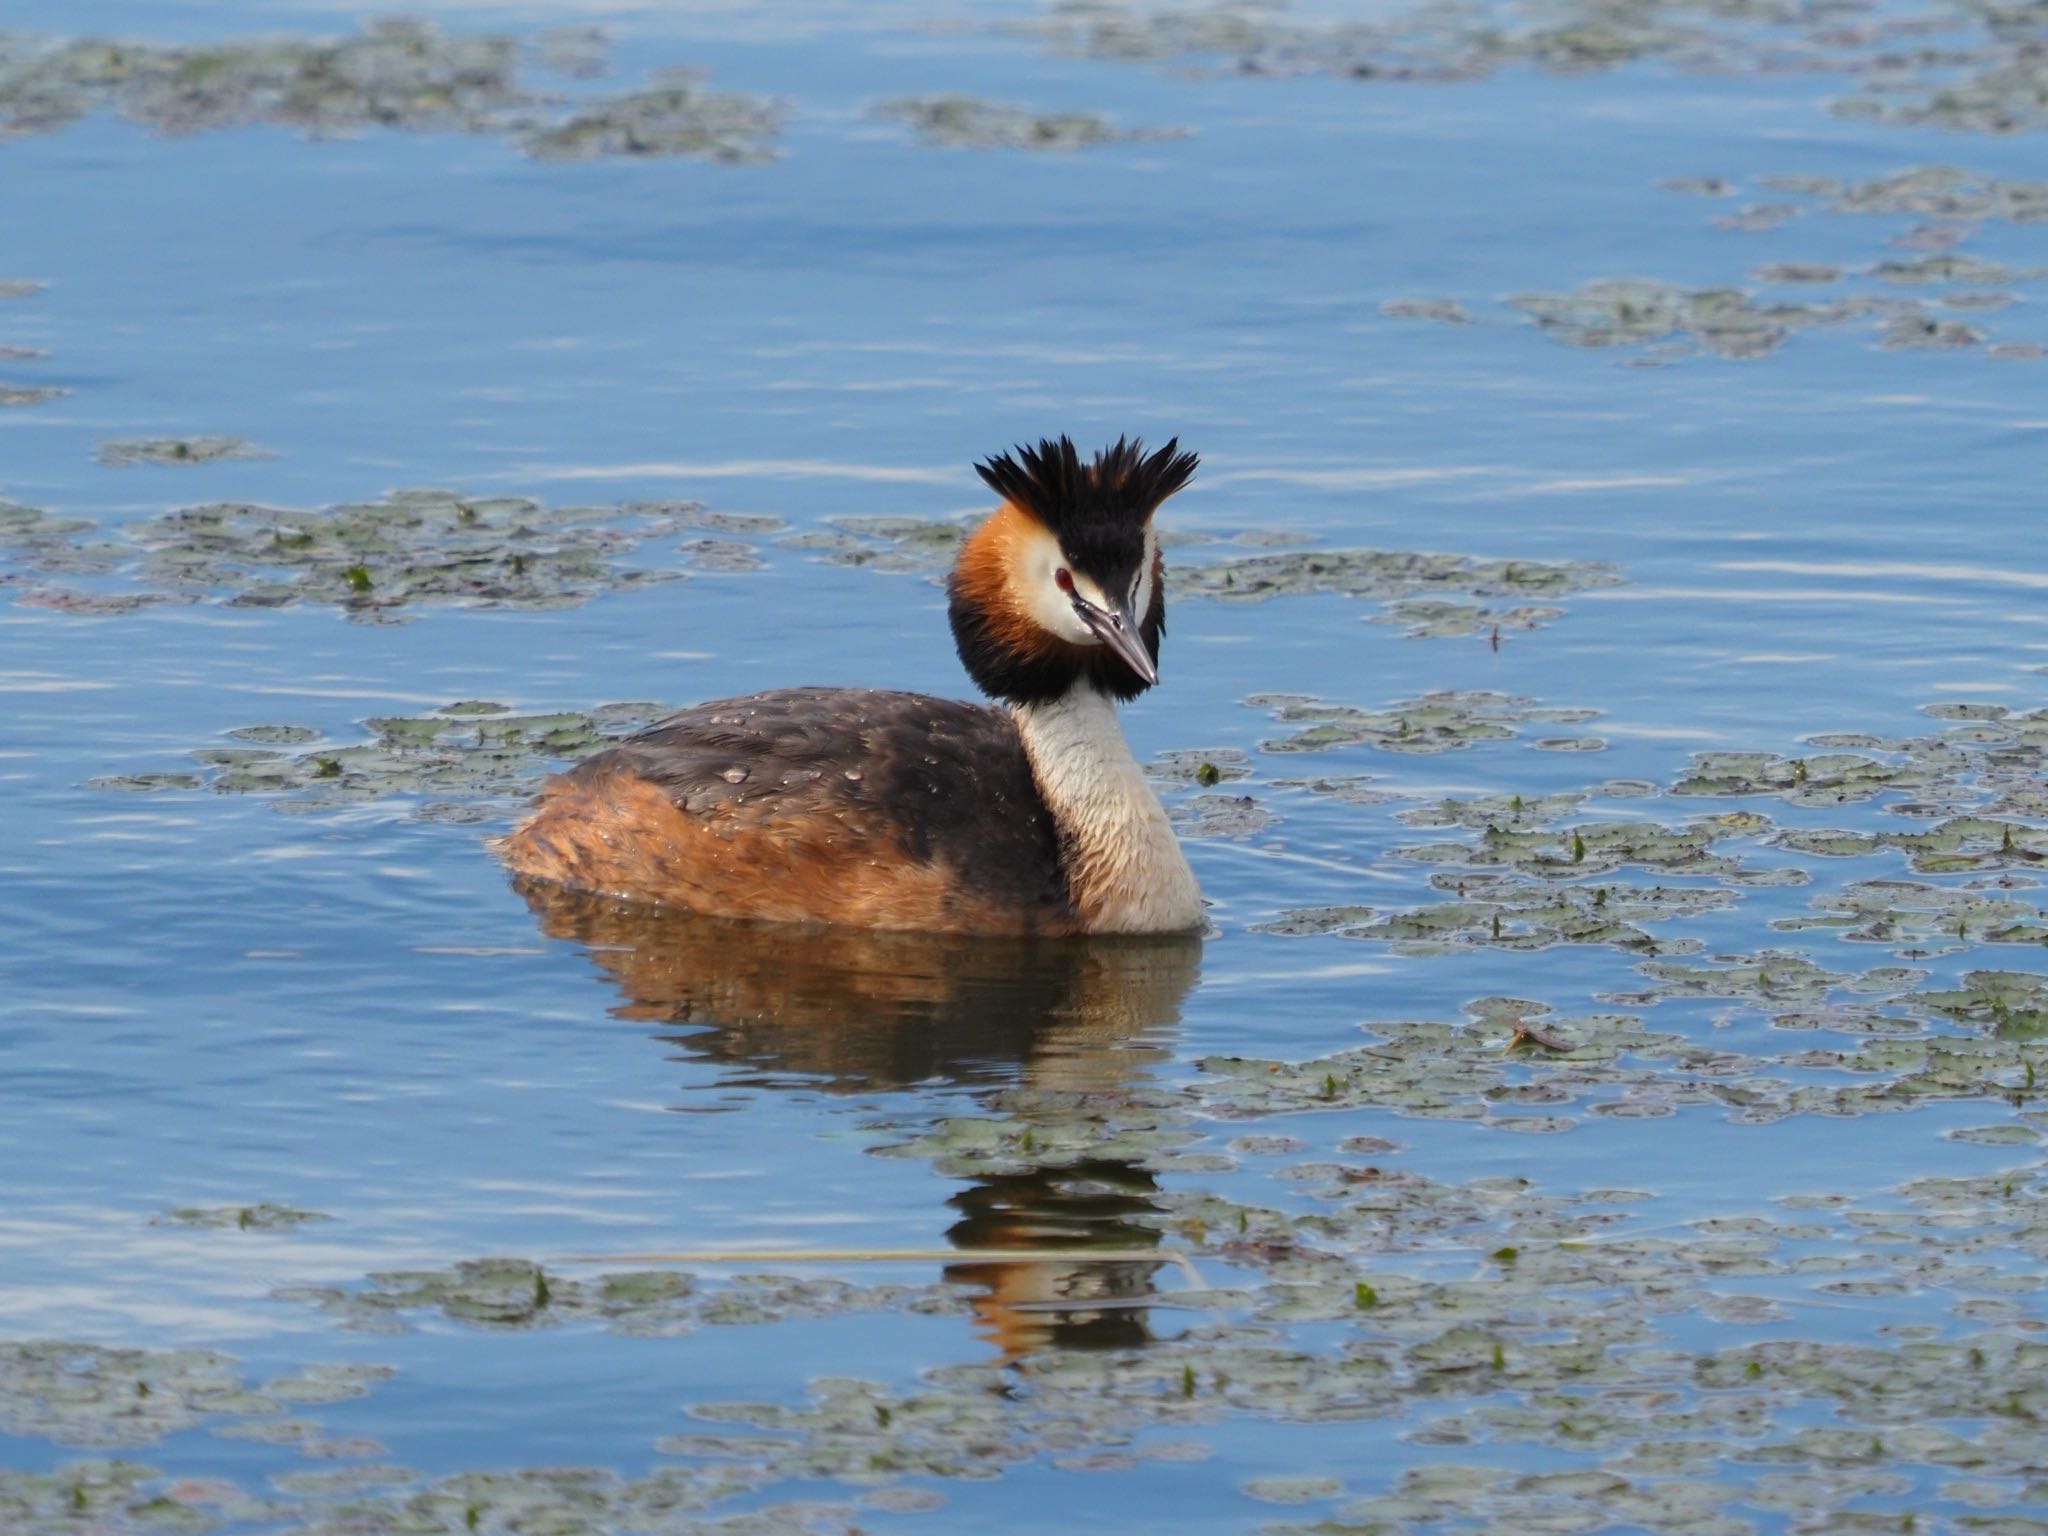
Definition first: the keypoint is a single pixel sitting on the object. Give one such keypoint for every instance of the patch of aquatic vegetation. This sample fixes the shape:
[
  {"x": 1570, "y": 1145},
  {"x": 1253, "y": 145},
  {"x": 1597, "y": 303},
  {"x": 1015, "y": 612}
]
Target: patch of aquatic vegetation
[
  {"x": 102, "y": 1396},
  {"x": 1971, "y": 783},
  {"x": 1999, "y": 87},
  {"x": 1235, "y": 816},
  {"x": 514, "y": 1293},
  {"x": 1959, "y": 66},
  {"x": 115, "y": 1498},
  {"x": 1392, "y": 576},
  {"x": 885, "y": 542},
  {"x": 969, "y": 122},
  {"x": 13, "y": 394},
  {"x": 465, "y": 762},
  {"x": 1537, "y": 871},
  {"x": 371, "y": 559},
  {"x": 261, "y": 1217},
  {"x": 1441, "y": 618},
  {"x": 1429, "y": 43},
  {"x": 1726, "y": 322},
  {"x": 399, "y": 73},
  {"x": 39, "y": 541},
  {"x": 1916, "y": 914},
  {"x": 1205, "y": 766},
  {"x": 674, "y": 116},
  {"x": 1508, "y": 912},
  {"x": 1493, "y": 1312},
  {"x": 1484, "y": 1313},
  {"x": 1669, "y": 320},
  {"x": 1434, "y": 722},
  {"x": 120, "y": 452},
  {"x": 1487, "y": 1312},
  {"x": 131, "y": 1499},
  {"x": 1927, "y": 191}
]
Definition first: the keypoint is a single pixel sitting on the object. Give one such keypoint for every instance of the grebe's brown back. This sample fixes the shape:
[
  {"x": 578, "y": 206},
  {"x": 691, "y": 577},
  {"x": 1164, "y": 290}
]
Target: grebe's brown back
[{"x": 898, "y": 810}]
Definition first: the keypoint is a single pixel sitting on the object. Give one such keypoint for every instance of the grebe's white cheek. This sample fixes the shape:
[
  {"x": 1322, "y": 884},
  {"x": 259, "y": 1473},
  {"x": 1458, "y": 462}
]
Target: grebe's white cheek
[{"x": 1051, "y": 608}]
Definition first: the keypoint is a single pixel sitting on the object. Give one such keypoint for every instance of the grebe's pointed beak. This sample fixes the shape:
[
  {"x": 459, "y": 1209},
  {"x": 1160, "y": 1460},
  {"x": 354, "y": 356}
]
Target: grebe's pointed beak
[{"x": 1117, "y": 629}]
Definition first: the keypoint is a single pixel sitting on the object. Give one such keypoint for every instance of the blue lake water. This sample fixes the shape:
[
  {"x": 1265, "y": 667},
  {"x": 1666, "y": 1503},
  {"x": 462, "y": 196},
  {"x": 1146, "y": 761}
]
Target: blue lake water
[{"x": 214, "y": 1002}]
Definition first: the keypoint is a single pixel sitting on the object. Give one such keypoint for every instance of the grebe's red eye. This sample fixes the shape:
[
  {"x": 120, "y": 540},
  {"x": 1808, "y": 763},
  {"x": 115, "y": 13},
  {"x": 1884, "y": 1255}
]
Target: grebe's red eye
[{"x": 1063, "y": 580}]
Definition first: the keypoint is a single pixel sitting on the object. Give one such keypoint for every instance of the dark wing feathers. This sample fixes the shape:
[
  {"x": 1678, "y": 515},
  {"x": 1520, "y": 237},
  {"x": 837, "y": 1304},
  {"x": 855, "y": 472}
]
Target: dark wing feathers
[{"x": 936, "y": 779}]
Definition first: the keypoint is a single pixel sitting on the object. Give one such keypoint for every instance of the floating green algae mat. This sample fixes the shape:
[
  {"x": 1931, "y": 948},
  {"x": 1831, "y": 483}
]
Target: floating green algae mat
[
  {"x": 371, "y": 559},
  {"x": 120, "y": 452},
  {"x": 1985, "y": 77},
  {"x": 410, "y": 547},
  {"x": 675, "y": 117},
  {"x": 1486, "y": 1312},
  {"x": 517, "y": 1294},
  {"x": 94, "y": 1395},
  {"x": 1509, "y": 913},
  {"x": 260, "y": 1217},
  {"x": 1387, "y": 575},
  {"x": 479, "y": 753},
  {"x": 398, "y": 73},
  {"x": 969, "y": 122},
  {"x": 1434, "y": 722},
  {"x": 1896, "y": 300}
]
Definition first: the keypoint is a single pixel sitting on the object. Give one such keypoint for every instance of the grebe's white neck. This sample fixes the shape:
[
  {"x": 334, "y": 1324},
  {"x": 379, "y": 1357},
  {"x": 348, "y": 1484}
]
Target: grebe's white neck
[{"x": 1126, "y": 867}]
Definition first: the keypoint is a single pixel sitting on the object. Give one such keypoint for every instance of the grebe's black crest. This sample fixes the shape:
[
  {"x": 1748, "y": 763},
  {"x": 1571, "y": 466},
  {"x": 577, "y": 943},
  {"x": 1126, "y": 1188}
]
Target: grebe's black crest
[{"x": 1097, "y": 510}]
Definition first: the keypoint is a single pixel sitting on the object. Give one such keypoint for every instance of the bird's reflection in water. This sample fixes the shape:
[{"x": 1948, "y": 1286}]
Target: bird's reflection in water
[{"x": 848, "y": 1010}]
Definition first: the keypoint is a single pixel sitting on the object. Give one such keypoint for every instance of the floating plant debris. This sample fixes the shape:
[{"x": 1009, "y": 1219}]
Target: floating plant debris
[
  {"x": 1436, "y": 617},
  {"x": 43, "y": 541},
  {"x": 885, "y": 542},
  {"x": 120, "y": 452},
  {"x": 510, "y": 1293},
  {"x": 1205, "y": 766},
  {"x": 1627, "y": 312},
  {"x": 676, "y": 116},
  {"x": 262, "y": 1217},
  {"x": 398, "y": 73},
  {"x": 1443, "y": 311},
  {"x": 1507, "y": 912},
  {"x": 467, "y": 761},
  {"x": 1731, "y": 322},
  {"x": 1221, "y": 816},
  {"x": 1387, "y": 575},
  {"x": 1984, "y": 77},
  {"x": 968, "y": 122},
  {"x": 1934, "y": 191},
  {"x": 375, "y": 559},
  {"x": 92, "y": 1395},
  {"x": 1434, "y": 722}
]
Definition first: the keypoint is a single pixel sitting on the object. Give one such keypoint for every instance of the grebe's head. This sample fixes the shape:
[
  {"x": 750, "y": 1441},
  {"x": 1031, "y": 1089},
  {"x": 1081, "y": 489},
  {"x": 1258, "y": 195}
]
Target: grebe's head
[{"x": 1064, "y": 580}]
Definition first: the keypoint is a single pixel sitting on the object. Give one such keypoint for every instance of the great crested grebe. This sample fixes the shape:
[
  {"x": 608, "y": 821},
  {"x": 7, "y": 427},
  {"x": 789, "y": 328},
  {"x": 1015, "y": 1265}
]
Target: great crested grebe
[{"x": 899, "y": 810}]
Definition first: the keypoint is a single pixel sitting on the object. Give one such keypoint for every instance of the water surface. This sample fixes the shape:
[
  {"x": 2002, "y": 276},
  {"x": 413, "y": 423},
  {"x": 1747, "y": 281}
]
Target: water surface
[{"x": 1760, "y": 1251}]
